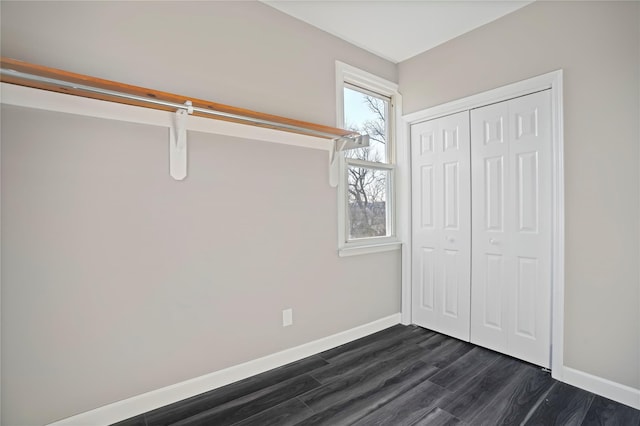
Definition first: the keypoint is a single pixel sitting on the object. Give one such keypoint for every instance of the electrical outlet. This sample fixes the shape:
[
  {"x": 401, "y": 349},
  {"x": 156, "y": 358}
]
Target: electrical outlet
[{"x": 287, "y": 317}]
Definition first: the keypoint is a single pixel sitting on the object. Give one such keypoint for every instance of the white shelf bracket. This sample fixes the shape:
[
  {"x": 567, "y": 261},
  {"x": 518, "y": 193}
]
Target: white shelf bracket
[
  {"x": 338, "y": 145},
  {"x": 178, "y": 143}
]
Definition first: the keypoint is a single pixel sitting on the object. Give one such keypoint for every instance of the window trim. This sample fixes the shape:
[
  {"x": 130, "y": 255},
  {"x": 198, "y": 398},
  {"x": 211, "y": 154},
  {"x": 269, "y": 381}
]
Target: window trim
[{"x": 347, "y": 75}]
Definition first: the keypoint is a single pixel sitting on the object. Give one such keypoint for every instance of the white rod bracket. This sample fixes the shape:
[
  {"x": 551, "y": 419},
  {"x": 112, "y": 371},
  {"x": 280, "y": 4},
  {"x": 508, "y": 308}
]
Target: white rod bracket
[
  {"x": 178, "y": 143},
  {"x": 343, "y": 144}
]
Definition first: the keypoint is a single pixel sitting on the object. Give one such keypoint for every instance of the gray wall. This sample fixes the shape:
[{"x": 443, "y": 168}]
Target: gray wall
[
  {"x": 117, "y": 280},
  {"x": 241, "y": 53},
  {"x": 597, "y": 44}
]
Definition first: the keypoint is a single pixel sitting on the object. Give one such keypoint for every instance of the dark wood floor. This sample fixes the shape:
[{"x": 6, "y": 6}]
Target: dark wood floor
[{"x": 399, "y": 376}]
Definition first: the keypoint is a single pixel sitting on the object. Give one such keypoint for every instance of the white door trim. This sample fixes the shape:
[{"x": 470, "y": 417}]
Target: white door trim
[{"x": 553, "y": 81}]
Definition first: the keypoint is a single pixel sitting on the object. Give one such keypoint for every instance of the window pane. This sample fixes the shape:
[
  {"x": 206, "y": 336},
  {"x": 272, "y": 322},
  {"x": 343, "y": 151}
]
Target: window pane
[
  {"x": 367, "y": 202},
  {"x": 367, "y": 114}
]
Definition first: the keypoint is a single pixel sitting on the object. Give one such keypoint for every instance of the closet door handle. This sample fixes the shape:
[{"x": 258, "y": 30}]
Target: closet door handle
[
  {"x": 494, "y": 242},
  {"x": 450, "y": 239}
]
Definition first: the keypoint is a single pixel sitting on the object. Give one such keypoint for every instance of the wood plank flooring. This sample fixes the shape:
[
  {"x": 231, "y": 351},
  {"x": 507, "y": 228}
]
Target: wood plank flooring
[{"x": 404, "y": 375}]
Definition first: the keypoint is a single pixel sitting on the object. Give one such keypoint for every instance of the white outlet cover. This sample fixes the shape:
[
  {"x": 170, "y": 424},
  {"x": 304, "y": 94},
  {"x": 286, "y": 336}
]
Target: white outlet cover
[{"x": 287, "y": 317}]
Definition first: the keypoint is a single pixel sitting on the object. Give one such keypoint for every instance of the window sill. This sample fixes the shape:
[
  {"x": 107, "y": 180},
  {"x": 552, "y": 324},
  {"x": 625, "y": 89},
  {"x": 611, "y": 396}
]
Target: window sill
[{"x": 370, "y": 248}]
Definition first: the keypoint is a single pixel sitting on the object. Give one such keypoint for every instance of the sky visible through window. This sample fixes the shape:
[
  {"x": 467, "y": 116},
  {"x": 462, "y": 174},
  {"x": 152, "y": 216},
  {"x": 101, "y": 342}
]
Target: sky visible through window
[{"x": 360, "y": 116}]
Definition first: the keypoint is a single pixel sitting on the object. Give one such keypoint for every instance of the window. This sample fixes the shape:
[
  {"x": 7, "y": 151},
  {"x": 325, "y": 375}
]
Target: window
[{"x": 367, "y": 187}]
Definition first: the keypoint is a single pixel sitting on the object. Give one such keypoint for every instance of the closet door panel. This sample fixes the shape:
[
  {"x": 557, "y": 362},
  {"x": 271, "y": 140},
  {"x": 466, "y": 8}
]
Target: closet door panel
[
  {"x": 441, "y": 225},
  {"x": 511, "y": 237},
  {"x": 425, "y": 199},
  {"x": 530, "y": 166},
  {"x": 490, "y": 266}
]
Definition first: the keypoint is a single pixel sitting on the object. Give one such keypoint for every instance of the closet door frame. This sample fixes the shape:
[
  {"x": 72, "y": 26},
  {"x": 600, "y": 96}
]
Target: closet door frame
[{"x": 553, "y": 81}]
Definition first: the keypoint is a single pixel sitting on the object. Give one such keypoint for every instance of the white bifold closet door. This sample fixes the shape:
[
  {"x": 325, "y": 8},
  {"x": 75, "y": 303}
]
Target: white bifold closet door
[
  {"x": 511, "y": 227},
  {"x": 441, "y": 225}
]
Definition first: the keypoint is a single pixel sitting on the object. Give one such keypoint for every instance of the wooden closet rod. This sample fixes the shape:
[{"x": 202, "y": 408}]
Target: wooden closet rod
[{"x": 37, "y": 76}]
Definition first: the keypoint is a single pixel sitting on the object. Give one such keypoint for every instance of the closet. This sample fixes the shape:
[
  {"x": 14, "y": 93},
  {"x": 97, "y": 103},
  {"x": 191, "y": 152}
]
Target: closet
[{"x": 481, "y": 226}]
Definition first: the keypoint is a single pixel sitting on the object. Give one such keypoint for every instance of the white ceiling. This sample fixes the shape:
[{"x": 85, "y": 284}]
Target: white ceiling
[{"x": 396, "y": 30}]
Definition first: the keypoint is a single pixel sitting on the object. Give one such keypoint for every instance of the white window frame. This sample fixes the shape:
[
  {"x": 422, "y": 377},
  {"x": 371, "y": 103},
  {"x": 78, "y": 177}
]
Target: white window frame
[{"x": 349, "y": 75}]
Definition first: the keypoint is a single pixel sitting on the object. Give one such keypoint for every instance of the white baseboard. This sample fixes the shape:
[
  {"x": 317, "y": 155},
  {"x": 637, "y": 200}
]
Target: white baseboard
[
  {"x": 621, "y": 393},
  {"x": 131, "y": 407}
]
